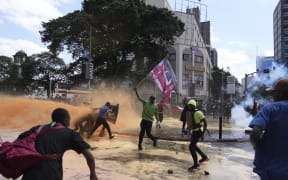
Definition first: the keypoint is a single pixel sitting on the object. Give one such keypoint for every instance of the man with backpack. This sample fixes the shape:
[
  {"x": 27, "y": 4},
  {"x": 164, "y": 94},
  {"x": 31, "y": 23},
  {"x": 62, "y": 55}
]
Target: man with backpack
[
  {"x": 57, "y": 142},
  {"x": 195, "y": 121}
]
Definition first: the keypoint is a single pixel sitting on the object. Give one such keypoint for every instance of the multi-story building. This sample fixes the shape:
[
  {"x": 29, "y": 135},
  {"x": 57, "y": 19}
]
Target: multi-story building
[
  {"x": 264, "y": 64},
  {"x": 190, "y": 54},
  {"x": 280, "y": 26}
]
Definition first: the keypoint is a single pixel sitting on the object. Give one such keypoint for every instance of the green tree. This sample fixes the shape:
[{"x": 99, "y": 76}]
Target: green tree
[
  {"x": 220, "y": 99},
  {"x": 76, "y": 71},
  {"x": 219, "y": 82},
  {"x": 43, "y": 69},
  {"x": 5, "y": 68},
  {"x": 5, "y": 62},
  {"x": 115, "y": 29}
]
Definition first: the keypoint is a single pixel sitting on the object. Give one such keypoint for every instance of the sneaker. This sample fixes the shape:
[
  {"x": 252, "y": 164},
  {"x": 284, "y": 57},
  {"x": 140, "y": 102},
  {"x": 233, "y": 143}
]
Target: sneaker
[
  {"x": 194, "y": 167},
  {"x": 139, "y": 147},
  {"x": 203, "y": 159},
  {"x": 111, "y": 137},
  {"x": 155, "y": 143}
]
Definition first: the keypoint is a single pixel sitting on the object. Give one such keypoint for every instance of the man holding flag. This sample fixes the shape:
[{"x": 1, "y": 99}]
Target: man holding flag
[
  {"x": 149, "y": 110},
  {"x": 163, "y": 75}
]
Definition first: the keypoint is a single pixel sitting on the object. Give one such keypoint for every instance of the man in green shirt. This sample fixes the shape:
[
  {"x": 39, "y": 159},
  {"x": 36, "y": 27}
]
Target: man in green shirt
[{"x": 149, "y": 110}]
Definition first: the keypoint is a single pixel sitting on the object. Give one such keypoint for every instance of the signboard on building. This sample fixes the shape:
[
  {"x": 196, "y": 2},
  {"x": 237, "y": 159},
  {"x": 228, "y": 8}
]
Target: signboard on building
[
  {"x": 231, "y": 89},
  {"x": 195, "y": 68}
]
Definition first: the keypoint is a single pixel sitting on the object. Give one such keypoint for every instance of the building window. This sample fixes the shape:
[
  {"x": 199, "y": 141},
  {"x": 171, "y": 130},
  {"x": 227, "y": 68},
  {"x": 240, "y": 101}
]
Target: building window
[
  {"x": 198, "y": 59},
  {"x": 187, "y": 76},
  {"x": 186, "y": 57},
  {"x": 172, "y": 57},
  {"x": 199, "y": 79}
]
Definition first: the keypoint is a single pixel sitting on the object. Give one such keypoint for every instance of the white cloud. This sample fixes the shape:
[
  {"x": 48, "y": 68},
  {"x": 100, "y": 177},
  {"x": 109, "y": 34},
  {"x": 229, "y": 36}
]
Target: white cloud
[
  {"x": 8, "y": 47},
  {"x": 238, "y": 43},
  {"x": 269, "y": 53},
  {"x": 214, "y": 37},
  {"x": 239, "y": 62},
  {"x": 261, "y": 52},
  {"x": 30, "y": 13},
  {"x": 60, "y": 2}
]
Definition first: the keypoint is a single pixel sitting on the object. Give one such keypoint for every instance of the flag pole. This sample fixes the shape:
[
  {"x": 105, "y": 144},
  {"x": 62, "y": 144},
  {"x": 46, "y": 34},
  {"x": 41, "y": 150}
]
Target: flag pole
[{"x": 140, "y": 82}]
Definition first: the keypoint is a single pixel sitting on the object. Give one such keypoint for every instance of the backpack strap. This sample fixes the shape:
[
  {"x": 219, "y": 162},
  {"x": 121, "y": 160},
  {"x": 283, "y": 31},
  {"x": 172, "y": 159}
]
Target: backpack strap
[
  {"x": 40, "y": 132},
  {"x": 198, "y": 125},
  {"x": 39, "y": 129}
]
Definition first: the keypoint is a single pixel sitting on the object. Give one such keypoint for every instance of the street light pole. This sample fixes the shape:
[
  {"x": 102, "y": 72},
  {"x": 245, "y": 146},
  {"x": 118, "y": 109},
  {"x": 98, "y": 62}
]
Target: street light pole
[
  {"x": 221, "y": 106},
  {"x": 246, "y": 81}
]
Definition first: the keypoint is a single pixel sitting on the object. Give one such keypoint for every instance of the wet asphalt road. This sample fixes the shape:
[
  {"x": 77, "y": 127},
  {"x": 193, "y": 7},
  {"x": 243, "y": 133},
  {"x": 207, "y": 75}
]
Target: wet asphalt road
[{"x": 231, "y": 158}]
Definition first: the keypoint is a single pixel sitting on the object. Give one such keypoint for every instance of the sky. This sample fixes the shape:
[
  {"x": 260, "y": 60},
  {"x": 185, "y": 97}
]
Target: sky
[{"x": 240, "y": 29}]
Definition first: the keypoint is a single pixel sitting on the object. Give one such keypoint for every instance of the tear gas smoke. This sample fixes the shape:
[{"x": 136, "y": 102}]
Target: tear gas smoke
[{"x": 239, "y": 115}]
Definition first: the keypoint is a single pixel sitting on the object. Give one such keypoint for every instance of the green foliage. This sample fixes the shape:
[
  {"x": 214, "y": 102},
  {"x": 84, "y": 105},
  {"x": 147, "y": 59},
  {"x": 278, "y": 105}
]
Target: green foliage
[
  {"x": 76, "y": 71},
  {"x": 219, "y": 82},
  {"x": 5, "y": 63},
  {"x": 43, "y": 67},
  {"x": 36, "y": 70},
  {"x": 114, "y": 29}
]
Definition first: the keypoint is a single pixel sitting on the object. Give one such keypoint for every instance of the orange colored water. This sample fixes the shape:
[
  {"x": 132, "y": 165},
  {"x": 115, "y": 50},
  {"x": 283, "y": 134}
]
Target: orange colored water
[{"x": 23, "y": 113}]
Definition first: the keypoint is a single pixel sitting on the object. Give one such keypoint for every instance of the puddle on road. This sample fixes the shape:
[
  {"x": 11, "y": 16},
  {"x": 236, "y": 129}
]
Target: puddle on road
[{"x": 230, "y": 162}]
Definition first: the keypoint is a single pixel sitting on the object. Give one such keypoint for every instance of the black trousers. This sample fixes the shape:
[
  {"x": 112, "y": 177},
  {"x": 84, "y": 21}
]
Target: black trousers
[
  {"x": 195, "y": 136},
  {"x": 183, "y": 125},
  {"x": 160, "y": 116},
  {"x": 146, "y": 126},
  {"x": 101, "y": 121}
]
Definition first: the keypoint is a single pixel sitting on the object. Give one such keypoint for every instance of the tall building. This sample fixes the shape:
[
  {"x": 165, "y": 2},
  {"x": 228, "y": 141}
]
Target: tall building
[
  {"x": 264, "y": 64},
  {"x": 280, "y": 28},
  {"x": 190, "y": 54}
]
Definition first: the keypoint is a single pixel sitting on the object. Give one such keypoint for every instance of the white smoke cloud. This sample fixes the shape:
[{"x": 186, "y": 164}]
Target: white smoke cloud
[{"x": 239, "y": 116}]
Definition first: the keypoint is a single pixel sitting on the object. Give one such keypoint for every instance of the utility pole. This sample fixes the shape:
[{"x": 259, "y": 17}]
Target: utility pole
[
  {"x": 221, "y": 106},
  {"x": 90, "y": 57}
]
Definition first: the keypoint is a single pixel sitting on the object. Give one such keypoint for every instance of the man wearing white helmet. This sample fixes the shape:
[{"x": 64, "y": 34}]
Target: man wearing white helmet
[
  {"x": 195, "y": 122},
  {"x": 269, "y": 135}
]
